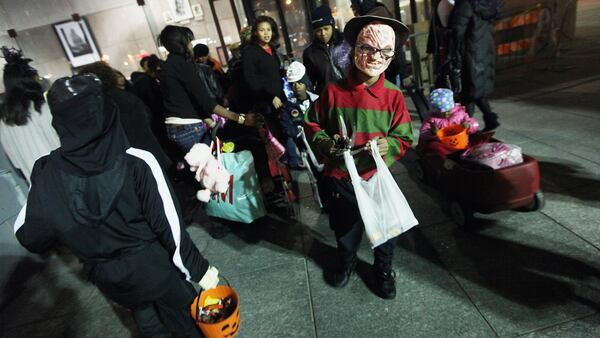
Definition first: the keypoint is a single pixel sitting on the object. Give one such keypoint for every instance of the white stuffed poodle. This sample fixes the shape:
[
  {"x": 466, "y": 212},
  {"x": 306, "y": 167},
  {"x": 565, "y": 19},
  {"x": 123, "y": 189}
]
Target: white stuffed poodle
[{"x": 213, "y": 177}]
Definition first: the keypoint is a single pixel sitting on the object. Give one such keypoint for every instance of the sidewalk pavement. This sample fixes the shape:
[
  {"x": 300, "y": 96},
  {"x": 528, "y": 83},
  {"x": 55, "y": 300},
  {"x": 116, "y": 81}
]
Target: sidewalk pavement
[{"x": 532, "y": 274}]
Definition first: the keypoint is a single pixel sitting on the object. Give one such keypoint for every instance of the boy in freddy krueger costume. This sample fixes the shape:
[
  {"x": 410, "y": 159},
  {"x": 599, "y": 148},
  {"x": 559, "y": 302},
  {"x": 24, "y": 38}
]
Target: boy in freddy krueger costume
[{"x": 372, "y": 108}]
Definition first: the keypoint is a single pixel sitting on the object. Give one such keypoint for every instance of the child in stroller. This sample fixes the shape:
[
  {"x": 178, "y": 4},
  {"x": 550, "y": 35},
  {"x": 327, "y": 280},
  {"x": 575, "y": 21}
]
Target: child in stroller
[
  {"x": 292, "y": 112},
  {"x": 292, "y": 122}
]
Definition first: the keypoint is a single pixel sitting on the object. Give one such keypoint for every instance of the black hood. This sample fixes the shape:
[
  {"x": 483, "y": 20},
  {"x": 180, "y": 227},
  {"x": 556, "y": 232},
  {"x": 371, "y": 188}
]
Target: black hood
[
  {"x": 91, "y": 159},
  {"x": 87, "y": 123},
  {"x": 487, "y": 9}
]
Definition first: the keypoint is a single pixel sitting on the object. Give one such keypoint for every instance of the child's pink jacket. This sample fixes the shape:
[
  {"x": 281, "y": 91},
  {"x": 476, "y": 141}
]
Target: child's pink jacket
[{"x": 459, "y": 116}]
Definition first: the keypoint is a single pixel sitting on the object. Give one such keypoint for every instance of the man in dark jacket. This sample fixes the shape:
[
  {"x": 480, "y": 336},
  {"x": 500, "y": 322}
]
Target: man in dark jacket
[
  {"x": 472, "y": 23},
  {"x": 327, "y": 58},
  {"x": 112, "y": 207}
]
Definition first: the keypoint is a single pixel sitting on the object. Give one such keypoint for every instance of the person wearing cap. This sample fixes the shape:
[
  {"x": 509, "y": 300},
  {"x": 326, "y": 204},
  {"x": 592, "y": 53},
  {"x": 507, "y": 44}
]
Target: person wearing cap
[
  {"x": 297, "y": 77},
  {"x": 372, "y": 108},
  {"x": 327, "y": 58},
  {"x": 112, "y": 207},
  {"x": 293, "y": 110},
  {"x": 302, "y": 99}
]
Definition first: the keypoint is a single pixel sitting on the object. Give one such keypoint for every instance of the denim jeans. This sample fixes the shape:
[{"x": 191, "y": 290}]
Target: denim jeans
[
  {"x": 186, "y": 135},
  {"x": 291, "y": 153}
]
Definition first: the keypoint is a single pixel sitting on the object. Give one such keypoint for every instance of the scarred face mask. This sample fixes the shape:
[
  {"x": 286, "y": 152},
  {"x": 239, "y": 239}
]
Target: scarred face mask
[{"x": 374, "y": 49}]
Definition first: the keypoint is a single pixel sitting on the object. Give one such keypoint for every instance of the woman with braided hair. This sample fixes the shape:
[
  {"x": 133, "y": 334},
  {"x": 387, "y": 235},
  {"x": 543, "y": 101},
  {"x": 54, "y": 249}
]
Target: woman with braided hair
[{"x": 26, "y": 132}]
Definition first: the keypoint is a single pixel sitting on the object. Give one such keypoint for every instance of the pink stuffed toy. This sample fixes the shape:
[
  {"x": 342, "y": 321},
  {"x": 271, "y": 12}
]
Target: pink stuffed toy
[{"x": 213, "y": 176}]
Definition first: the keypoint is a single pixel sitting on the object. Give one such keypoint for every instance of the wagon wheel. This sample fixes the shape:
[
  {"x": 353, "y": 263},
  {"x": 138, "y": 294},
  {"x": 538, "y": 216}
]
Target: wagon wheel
[
  {"x": 537, "y": 203},
  {"x": 461, "y": 213}
]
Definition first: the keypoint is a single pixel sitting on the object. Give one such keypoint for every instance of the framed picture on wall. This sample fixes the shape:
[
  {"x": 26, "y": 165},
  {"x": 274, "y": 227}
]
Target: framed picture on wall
[
  {"x": 77, "y": 41},
  {"x": 198, "y": 12},
  {"x": 181, "y": 10}
]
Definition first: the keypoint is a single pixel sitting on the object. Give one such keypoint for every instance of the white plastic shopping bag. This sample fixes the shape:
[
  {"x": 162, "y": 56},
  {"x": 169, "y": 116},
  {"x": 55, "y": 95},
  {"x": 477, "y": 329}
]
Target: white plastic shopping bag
[{"x": 383, "y": 208}]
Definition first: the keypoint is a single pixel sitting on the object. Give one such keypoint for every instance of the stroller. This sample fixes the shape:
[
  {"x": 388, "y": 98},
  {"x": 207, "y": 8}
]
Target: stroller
[{"x": 292, "y": 122}]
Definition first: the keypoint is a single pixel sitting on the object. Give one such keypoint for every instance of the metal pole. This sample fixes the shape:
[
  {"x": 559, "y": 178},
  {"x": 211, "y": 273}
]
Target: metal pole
[
  {"x": 235, "y": 15},
  {"x": 249, "y": 10},
  {"x": 219, "y": 32},
  {"x": 286, "y": 36},
  {"x": 397, "y": 10},
  {"x": 413, "y": 11},
  {"x": 151, "y": 25}
]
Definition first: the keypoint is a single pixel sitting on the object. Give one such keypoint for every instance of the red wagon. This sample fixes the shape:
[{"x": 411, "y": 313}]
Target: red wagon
[{"x": 470, "y": 187}]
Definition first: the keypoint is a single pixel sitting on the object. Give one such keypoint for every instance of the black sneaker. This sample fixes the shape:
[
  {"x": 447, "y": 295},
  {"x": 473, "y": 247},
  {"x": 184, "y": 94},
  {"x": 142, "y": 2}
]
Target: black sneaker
[
  {"x": 342, "y": 274},
  {"x": 386, "y": 283}
]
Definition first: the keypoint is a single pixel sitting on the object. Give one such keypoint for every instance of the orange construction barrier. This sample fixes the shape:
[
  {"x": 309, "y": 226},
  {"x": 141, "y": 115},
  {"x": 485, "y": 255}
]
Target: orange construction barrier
[{"x": 527, "y": 18}]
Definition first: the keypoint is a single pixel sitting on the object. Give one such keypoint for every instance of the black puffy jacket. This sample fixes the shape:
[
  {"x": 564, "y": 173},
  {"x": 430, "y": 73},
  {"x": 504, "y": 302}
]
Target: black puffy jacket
[
  {"x": 327, "y": 63},
  {"x": 473, "y": 35}
]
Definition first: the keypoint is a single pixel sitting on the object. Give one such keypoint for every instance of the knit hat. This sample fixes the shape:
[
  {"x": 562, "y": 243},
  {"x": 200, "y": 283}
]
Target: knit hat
[
  {"x": 441, "y": 100},
  {"x": 321, "y": 16},
  {"x": 200, "y": 50}
]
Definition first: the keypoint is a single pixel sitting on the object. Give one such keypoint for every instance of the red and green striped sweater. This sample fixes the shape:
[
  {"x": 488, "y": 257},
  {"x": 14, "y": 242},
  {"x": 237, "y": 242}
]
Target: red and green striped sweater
[{"x": 368, "y": 112}]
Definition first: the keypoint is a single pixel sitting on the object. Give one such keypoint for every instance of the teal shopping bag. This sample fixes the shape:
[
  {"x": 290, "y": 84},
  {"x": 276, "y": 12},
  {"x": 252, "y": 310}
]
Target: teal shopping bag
[{"x": 243, "y": 201}]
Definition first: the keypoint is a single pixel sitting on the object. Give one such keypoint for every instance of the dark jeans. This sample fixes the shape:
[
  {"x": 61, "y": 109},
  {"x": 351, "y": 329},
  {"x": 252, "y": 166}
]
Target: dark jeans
[
  {"x": 484, "y": 105},
  {"x": 186, "y": 135},
  {"x": 345, "y": 221},
  {"x": 291, "y": 153}
]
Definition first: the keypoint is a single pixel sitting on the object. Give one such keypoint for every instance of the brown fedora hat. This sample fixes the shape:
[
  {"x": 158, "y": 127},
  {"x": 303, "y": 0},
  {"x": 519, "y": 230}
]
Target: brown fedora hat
[{"x": 379, "y": 13}]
